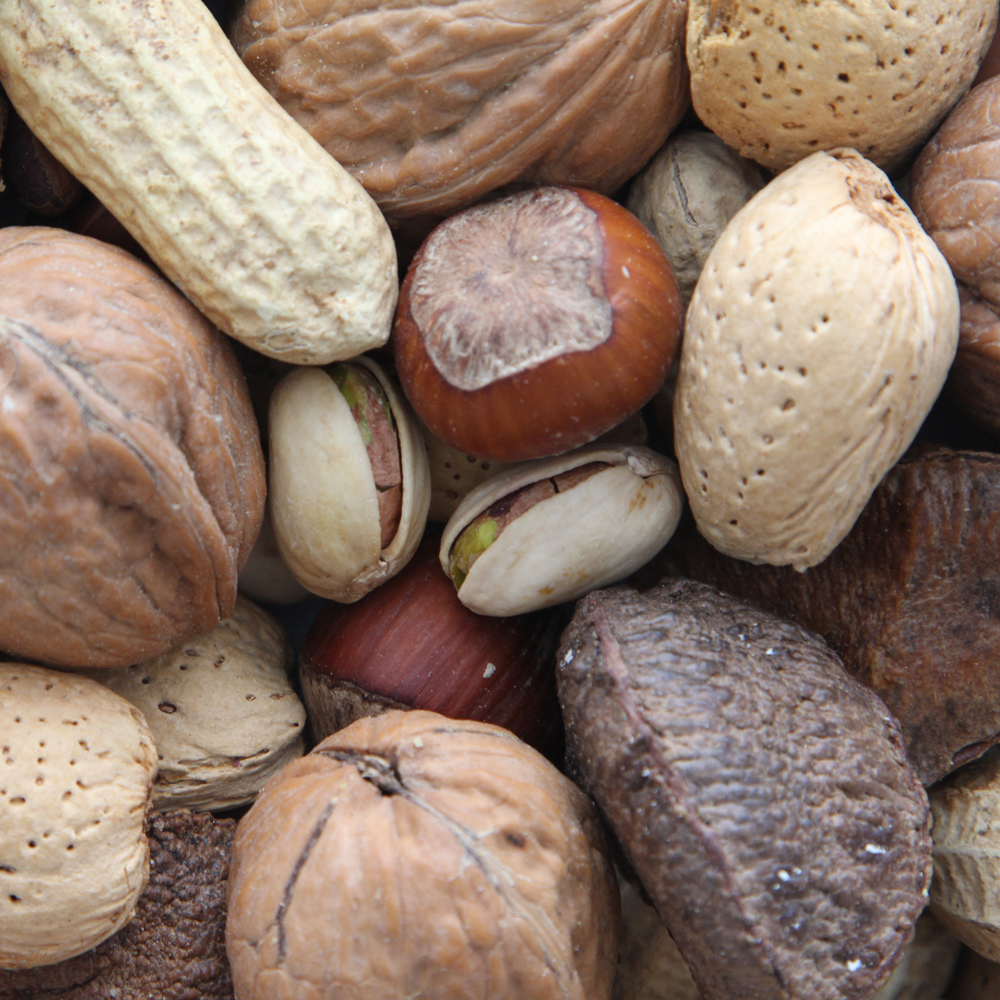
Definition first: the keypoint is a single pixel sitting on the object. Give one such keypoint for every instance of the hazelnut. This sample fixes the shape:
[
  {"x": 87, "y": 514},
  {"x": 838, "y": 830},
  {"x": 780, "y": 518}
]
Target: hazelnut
[
  {"x": 531, "y": 324},
  {"x": 39, "y": 180},
  {"x": 221, "y": 709},
  {"x": 543, "y": 532},
  {"x": 411, "y": 643},
  {"x": 350, "y": 485},
  {"x": 76, "y": 771},
  {"x": 412, "y": 855}
]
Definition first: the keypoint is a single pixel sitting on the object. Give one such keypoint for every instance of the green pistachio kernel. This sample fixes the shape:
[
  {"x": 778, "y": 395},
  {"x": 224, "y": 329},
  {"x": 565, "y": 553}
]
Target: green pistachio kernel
[
  {"x": 360, "y": 392},
  {"x": 469, "y": 546}
]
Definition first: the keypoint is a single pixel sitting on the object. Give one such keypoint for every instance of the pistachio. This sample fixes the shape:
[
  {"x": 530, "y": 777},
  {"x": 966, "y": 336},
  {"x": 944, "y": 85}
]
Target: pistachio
[
  {"x": 543, "y": 532},
  {"x": 349, "y": 479}
]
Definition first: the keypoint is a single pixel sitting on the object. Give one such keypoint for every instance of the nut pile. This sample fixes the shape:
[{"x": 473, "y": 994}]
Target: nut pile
[{"x": 428, "y": 329}]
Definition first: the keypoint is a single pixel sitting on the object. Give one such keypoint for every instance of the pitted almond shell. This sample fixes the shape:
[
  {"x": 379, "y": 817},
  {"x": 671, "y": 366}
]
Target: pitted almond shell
[
  {"x": 323, "y": 498},
  {"x": 567, "y": 545}
]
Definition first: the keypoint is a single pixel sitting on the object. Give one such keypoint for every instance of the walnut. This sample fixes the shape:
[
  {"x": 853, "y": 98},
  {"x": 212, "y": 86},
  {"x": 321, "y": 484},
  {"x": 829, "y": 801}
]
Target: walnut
[
  {"x": 411, "y": 855},
  {"x": 131, "y": 473}
]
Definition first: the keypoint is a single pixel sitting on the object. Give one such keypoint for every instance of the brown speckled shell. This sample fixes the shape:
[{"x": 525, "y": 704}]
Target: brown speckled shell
[{"x": 131, "y": 473}]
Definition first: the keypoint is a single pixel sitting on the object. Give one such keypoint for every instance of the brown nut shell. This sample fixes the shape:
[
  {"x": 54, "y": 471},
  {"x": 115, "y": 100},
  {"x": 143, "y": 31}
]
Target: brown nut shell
[
  {"x": 132, "y": 484},
  {"x": 781, "y": 80},
  {"x": 411, "y": 855},
  {"x": 78, "y": 768},
  {"x": 433, "y": 106},
  {"x": 532, "y": 324},
  {"x": 760, "y": 793}
]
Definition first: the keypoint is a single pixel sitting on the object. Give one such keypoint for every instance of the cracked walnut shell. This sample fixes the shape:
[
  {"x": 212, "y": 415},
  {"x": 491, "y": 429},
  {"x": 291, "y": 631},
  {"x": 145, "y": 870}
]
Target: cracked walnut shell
[
  {"x": 412, "y": 855},
  {"x": 131, "y": 472}
]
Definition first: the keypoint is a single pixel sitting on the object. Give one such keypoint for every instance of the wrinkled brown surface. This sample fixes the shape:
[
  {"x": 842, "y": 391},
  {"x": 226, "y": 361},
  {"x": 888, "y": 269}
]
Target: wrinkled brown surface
[
  {"x": 174, "y": 948},
  {"x": 760, "y": 793},
  {"x": 131, "y": 474},
  {"x": 954, "y": 186},
  {"x": 974, "y": 380},
  {"x": 414, "y": 856},
  {"x": 910, "y": 599},
  {"x": 432, "y": 105}
]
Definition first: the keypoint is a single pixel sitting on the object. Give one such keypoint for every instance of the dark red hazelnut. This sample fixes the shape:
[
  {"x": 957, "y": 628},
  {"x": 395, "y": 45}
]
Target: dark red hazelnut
[
  {"x": 534, "y": 323},
  {"x": 412, "y": 644}
]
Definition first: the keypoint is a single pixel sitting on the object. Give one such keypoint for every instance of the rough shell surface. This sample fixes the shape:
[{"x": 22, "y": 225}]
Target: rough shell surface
[
  {"x": 586, "y": 537},
  {"x": 221, "y": 709},
  {"x": 907, "y": 599},
  {"x": 781, "y": 80},
  {"x": 761, "y": 794},
  {"x": 293, "y": 258},
  {"x": 953, "y": 185},
  {"x": 686, "y": 196},
  {"x": 433, "y": 105},
  {"x": 925, "y": 971},
  {"x": 78, "y": 767},
  {"x": 174, "y": 948},
  {"x": 819, "y": 335},
  {"x": 967, "y": 854},
  {"x": 973, "y": 384},
  {"x": 482, "y": 865},
  {"x": 132, "y": 484},
  {"x": 323, "y": 500}
]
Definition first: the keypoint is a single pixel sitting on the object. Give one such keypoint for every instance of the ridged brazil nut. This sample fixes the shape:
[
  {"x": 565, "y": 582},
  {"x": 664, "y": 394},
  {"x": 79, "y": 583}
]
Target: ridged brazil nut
[
  {"x": 590, "y": 530},
  {"x": 324, "y": 497}
]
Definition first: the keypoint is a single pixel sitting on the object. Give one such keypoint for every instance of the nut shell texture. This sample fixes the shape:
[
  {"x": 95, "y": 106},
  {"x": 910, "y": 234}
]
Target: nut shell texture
[
  {"x": 781, "y": 80},
  {"x": 432, "y": 105},
  {"x": 586, "y": 537},
  {"x": 819, "y": 335},
  {"x": 761, "y": 794},
  {"x": 78, "y": 766},
  {"x": 151, "y": 108},
  {"x": 411, "y": 855},
  {"x": 221, "y": 709},
  {"x": 132, "y": 484}
]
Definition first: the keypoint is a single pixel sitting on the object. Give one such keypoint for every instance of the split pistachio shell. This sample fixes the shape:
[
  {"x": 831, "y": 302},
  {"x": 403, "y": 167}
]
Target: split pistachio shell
[
  {"x": 586, "y": 537},
  {"x": 324, "y": 503}
]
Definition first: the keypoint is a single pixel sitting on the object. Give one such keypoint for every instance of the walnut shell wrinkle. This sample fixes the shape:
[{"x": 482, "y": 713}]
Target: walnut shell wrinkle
[
  {"x": 131, "y": 471},
  {"x": 413, "y": 856}
]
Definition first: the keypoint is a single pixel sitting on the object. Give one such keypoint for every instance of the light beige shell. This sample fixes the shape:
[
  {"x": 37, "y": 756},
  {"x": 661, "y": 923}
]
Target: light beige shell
[
  {"x": 965, "y": 890},
  {"x": 650, "y": 966},
  {"x": 265, "y": 577},
  {"x": 569, "y": 544},
  {"x": 781, "y": 80},
  {"x": 819, "y": 335},
  {"x": 322, "y": 492},
  {"x": 686, "y": 195},
  {"x": 76, "y": 768},
  {"x": 222, "y": 711},
  {"x": 262, "y": 229}
]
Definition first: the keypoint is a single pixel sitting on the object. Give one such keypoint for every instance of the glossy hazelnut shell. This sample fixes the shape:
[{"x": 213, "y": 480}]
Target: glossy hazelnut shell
[
  {"x": 412, "y": 643},
  {"x": 571, "y": 399}
]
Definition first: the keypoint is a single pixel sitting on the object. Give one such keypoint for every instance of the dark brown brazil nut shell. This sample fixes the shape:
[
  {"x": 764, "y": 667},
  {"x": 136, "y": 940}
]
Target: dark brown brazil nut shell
[
  {"x": 760, "y": 793},
  {"x": 131, "y": 474},
  {"x": 974, "y": 379},
  {"x": 413, "y": 856},
  {"x": 174, "y": 947},
  {"x": 432, "y": 105},
  {"x": 910, "y": 599}
]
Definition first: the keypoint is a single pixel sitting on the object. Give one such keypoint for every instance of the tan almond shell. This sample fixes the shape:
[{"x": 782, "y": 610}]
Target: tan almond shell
[
  {"x": 818, "y": 337},
  {"x": 221, "y": 710},
  {"x": 77, "y": 764},
  {"x": 965, "y": 890},
  {"x": 569, "y": 544},
  {"x": 322, "y": 491},
  {"x": 781, "y": 80},
  {"x": 151, "y": 108}
]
